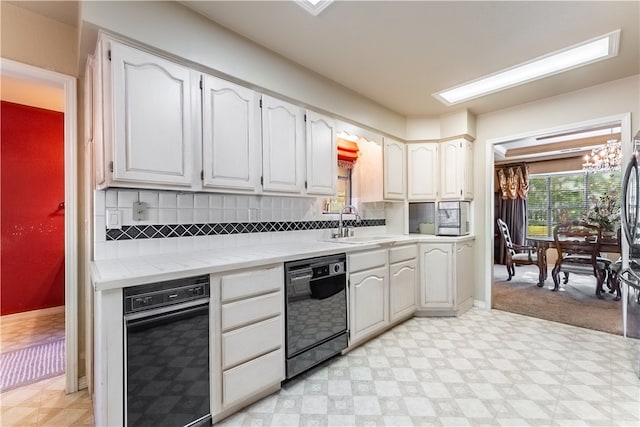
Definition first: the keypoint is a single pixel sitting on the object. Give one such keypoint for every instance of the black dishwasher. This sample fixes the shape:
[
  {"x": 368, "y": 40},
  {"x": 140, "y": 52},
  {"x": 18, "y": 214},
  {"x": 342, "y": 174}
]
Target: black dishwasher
[{"x": 167, "y": 354}]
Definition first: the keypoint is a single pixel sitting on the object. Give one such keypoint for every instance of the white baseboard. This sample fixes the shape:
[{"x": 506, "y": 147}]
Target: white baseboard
[
  {"x": 27, "y": 315},
  {"x": 480, "y": 304}
]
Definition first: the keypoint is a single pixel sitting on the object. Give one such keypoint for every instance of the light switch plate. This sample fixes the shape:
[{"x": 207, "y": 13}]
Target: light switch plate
[
  {"x": 139, "y": 211},
  {"x": 114, "y": 219}
]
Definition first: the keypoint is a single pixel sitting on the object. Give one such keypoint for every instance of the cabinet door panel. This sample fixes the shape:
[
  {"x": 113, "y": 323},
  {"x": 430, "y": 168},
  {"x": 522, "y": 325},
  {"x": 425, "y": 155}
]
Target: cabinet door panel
[
  {"x": 282, "y": 146},
  {"x": 450, "y": 181},
  {"x": 152, "y": 118},
  {"x": 369, "y": 303},
  {"x": 464, "y": 272},
  {"x": 321, "y": 155},
  {"x": 423, "y": 169},
  {"x": 436, "y": 278},
  {"x": 229, "y": 135},
  {"x": 252, "y": 377},
  {"x": 402, "y": 289},
  {"x": 394, "y": 170}
]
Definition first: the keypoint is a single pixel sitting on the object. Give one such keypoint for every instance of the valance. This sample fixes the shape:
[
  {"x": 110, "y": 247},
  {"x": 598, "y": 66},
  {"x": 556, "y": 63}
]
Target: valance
[
  {"x": 347, "y": 153},
  {"x": 514, "y": 181}
]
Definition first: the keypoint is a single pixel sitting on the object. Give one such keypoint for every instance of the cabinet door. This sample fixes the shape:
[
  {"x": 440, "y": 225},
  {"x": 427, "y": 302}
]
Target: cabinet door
[
  {"x": 464, "y": 274},
  {"x": 450, "y": 180},
  {"x": 322, "y": 160},
  {"x": 467, "y": 168},
  {"x": 229, "y": 136},
  {"x": 394, "y": 170},
  {"x": 369, "y": 170},
  {"x": 369, "y": 309},
  {"x": 423, "y": 167},
  {"x": 402, "y": 289},
  {"x": 153, "y": 122},
  {"x": 282, "y": 146},
  {"x": 436, "y": 282}
]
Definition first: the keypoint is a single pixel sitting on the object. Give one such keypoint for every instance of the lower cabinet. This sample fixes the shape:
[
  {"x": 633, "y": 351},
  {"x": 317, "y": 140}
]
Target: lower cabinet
[
  {"x": 446, "y": 278},
  {"x": 382, "y": 290},
  {"x": 247, "y": 345}
]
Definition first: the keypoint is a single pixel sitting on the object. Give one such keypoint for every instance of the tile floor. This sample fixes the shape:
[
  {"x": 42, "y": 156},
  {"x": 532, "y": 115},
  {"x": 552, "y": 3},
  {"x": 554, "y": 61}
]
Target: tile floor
[
  {"x": 43, "y": 403},
  {"x": 486, "y": 368}
]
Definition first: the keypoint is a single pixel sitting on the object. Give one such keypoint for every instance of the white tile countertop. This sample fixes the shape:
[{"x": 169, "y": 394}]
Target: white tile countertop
[{"x": 123, "y": 272}]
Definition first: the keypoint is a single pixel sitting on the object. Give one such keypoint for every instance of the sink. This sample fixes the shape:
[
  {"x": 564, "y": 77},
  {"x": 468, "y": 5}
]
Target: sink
[{"x": 360, "y": 239}]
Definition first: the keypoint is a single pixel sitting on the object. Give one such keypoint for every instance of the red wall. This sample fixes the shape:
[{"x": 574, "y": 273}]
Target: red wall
[{"x": 31, "y": 226}]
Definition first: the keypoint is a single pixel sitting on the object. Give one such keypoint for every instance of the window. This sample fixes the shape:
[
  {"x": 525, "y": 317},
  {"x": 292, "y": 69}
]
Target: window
[
  {"x": 335, "y": 204},
  {"x": 556, "y": 198}
]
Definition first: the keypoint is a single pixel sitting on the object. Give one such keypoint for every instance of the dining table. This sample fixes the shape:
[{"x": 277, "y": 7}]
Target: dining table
[{"x": 542, "y": 243}]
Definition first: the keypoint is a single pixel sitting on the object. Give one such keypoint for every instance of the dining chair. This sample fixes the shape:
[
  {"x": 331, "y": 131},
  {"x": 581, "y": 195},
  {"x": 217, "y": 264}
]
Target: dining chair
[
  {"x": 516, "y": 254},
  {"x": 578, "y": 246}
]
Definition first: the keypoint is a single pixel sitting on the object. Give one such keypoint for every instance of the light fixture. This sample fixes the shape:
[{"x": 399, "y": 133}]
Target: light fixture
[
  {"x": 314, "y": 7},
  {"x": 593, "y": 50},
  {"x": 606, "y": 158}
]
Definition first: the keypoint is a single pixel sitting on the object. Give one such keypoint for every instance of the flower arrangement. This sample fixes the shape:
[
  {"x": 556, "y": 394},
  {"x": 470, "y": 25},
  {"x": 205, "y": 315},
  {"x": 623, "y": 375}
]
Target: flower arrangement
[{"x": 605, "y": 211}]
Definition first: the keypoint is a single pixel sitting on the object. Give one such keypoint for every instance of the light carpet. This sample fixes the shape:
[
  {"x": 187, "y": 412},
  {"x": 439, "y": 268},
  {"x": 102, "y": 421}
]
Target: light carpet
[{"x": 31, "y": 364}]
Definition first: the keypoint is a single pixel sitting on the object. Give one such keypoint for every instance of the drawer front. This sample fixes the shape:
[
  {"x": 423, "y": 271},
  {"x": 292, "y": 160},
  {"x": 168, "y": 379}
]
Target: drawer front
[
  {"x": 365, "y": 260},
  {"x": 402, "y": 253},
  {"x": 246, "y": 343},
  {"x": 251, "y": 377},
  {"x": 251, "y": 283},
  {"x": 251, "y": 310}
]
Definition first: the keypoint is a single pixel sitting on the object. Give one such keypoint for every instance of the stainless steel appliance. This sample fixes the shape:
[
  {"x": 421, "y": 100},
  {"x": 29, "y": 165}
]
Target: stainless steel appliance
[
  {"x": 630, "y": 206},
  {"x": 453, "y": 218},
  {"x": 315, "y": 312},
  {"x": 166, "y": 356}
]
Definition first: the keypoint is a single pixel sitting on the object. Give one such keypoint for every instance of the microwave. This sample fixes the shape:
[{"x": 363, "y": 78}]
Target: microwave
[{"x": 453, "y": 218}]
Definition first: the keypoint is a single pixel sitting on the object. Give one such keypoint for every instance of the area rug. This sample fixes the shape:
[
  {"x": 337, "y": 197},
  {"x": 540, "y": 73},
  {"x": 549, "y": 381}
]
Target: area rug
[
  {"x": 574, "y": 304},
  {"x": 31, "y": 364}
]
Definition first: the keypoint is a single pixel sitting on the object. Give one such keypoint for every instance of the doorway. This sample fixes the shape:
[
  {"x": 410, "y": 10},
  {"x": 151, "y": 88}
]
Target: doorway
[
  {"x": 496, "y": 146},
  {"x": 69, "y": 268}
]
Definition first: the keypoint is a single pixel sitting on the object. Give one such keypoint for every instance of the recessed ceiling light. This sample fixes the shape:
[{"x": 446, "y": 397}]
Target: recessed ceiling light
[
  {"x": 314, "y": 7},
  {"x": 593, "y": 50}
]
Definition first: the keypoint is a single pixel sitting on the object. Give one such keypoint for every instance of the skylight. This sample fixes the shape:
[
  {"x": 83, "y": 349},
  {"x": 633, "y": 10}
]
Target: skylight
[
  {"x": 594, "y": 50},
  {"x": 314, "y": 7}
]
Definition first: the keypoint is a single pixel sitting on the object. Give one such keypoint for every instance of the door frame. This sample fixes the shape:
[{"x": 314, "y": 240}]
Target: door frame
[
  {"x": 68, "y": 85},
  {"x": 627, "y": 150}
]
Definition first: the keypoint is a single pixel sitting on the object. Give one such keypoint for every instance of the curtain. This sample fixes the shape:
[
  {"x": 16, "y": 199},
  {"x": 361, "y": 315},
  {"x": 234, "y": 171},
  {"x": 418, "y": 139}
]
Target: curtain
[{"x": 510, "y": 204}]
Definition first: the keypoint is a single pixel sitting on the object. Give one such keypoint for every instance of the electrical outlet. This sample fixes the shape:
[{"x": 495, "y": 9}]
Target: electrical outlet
[{"x": 114, "y": 219}]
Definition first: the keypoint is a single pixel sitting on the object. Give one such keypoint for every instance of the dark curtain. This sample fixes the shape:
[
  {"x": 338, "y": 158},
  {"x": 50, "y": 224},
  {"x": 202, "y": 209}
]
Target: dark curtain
[{"x": 510, "y": 204}]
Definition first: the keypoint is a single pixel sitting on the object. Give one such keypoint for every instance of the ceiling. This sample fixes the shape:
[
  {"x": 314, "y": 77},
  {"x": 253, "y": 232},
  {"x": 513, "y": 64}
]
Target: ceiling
[{"x": 398, "y": 53}]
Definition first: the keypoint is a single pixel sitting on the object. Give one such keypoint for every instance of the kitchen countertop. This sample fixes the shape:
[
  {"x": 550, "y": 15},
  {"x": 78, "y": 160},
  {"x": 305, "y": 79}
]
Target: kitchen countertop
[{"x": 123, "y": 272}]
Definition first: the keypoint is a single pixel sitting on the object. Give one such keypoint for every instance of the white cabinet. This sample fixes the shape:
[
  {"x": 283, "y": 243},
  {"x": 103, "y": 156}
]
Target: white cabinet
[
  {"x": 153, "y": 125},
  {"x": 322, "y": 164},
  {"x": 446, "y": 277},
  {"x": 368, "y": 170},
  {"x": 394, "y": 170},
  {"x": 230, "y": 136},
  {"x": 282, "y": 146},
  {"x": 423, "y": 169},
  {"x": 368, "y": 294},
  {"x": 402, "y": 282},
  {"x": 456, "y": 166},
  {"x": 247, "y": 338}
]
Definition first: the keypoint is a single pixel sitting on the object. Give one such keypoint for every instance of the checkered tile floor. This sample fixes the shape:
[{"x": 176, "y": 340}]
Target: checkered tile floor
[{"x": 485, "y": 368}]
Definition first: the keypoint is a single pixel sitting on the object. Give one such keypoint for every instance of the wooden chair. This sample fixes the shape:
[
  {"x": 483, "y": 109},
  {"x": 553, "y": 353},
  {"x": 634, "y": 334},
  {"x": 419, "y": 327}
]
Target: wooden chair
[
  {"x": 578, "y": 246},
  {"x": 517, "y": 254}
]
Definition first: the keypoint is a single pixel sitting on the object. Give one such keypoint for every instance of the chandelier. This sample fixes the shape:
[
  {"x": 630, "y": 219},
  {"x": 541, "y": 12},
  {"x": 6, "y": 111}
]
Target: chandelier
[{"x": 606, "y": 158}]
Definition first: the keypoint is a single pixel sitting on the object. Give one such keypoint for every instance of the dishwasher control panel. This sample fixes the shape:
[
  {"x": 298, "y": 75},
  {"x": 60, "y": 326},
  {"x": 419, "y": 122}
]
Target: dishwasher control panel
[{"x": 153, "y": 295}]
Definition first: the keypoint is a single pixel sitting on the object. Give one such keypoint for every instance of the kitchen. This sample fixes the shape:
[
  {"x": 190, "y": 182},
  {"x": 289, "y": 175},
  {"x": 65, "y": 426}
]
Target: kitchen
[{"x": 455, "y": 124}]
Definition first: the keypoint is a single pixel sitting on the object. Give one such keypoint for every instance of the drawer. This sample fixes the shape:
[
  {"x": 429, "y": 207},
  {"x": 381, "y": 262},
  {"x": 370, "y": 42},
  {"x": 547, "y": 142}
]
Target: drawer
[
  {"x": 364, "y": 260},
  {"x": 251, "y": 377},
  {"x": 251, "y": 283},
  {"x": 402, "y": 253},
  {"x": 246, "y": 343},
  {"x": 251, "y": 310}
]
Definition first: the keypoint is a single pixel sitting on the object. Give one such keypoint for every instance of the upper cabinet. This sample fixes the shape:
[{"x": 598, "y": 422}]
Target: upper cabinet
[
  {"x": 394, "y": 170},
  {"x": 456, "y": 169},
  {"x": 423, "y": 168},
  {"x": 282, "y": 146},
  {"x": 152, "y": 126},
  {"x": 230, "y": 137},
  {"x": 322, "y": 165}
]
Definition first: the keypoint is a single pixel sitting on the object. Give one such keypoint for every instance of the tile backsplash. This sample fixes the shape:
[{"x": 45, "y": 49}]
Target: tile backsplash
[{"x": 203, "y": 220}]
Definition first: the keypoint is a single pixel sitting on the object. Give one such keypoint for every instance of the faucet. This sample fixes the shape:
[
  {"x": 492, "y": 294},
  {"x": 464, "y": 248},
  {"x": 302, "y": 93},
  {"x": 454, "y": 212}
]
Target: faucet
[{"x": 342, "y": 231}]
